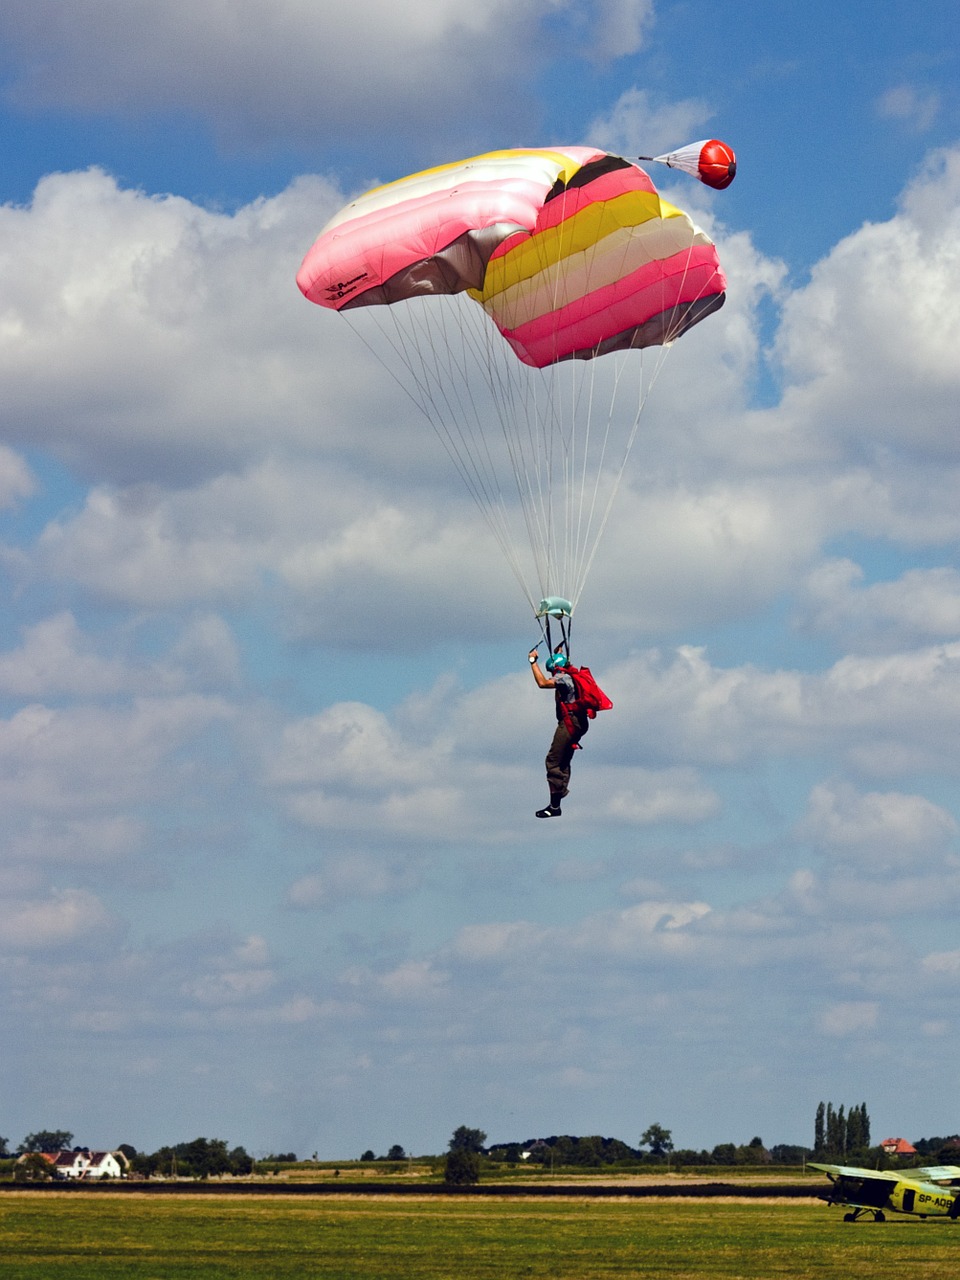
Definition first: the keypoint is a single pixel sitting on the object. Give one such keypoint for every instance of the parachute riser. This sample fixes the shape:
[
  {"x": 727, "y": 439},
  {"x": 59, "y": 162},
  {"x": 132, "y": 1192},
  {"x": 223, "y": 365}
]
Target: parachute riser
[{"x": 558, "y": 611}]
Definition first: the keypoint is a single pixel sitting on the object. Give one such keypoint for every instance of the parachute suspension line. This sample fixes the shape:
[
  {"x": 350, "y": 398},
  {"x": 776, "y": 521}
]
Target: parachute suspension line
[
  {"x": 448, "y": 403},
  {"x": 586, "y": 469},
  {"x": 547, "y": 425},
  {"x": 565, "y": 448},
  {"x": 579, "y": 459},
  {"x": 529, "y": 430},
  {"x": 646, "y": 386},
  {"x": 587, "y": 540},
  {"x": 596, "y": 528},
  {"x": 565, "y": 439},
  {"x": 575, "y": 444},
  {"x": 473, "y": 349},
  {"x": 559, "y": 440},
  {"x": 647, "y": 383},
  {"x": 513, "y": 387},
  {"x": 585, "y": 461},
  {"x": 481, "y": 352},
  {"x": 579, "y": 518},
  {"x": 438, "y": 384},
  {"x": 527, "y": 420},
  {"x": 543, "y": 442},
  {"x": 425, "y": 385},
  {"x": 644, "y": 390}
]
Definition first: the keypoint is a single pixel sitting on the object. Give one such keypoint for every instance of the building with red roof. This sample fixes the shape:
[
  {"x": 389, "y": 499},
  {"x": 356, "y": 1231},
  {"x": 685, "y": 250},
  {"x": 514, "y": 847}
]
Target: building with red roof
[{"x": 897, "y": 1147}]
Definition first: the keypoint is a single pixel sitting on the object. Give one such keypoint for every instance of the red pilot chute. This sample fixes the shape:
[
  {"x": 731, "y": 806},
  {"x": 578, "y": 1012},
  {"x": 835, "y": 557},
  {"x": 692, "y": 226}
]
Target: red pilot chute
[{"x": 711, "y": 160}]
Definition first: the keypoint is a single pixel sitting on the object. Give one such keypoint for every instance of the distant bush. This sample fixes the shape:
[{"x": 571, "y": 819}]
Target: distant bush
[
  {"x": 461, "y": 1168},
  {"x": 33, "y": 1168}
]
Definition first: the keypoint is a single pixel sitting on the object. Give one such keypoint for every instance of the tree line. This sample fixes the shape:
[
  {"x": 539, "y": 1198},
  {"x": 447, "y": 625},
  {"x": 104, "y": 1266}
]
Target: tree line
[
  {"x": 840, "y": 1134},
  {"x": 201, "y": 1158}
]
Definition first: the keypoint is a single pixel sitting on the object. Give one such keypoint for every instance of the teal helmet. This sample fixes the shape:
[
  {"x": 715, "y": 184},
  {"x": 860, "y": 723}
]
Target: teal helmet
[{"x": 556, "y": 661}]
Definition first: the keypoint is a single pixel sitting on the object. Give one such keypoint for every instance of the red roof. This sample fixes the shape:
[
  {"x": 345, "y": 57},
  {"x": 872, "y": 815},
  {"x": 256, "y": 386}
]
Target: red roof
[{"x": 898, "y": 1147}]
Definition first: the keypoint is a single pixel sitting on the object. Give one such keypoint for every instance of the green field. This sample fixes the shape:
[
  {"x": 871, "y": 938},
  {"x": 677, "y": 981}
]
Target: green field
[{"x": 162, "y": 1238}]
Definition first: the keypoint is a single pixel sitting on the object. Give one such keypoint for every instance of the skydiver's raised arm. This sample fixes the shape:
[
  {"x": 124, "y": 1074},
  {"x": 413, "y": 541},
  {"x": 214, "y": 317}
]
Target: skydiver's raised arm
[{"x": 543, "y": 681}]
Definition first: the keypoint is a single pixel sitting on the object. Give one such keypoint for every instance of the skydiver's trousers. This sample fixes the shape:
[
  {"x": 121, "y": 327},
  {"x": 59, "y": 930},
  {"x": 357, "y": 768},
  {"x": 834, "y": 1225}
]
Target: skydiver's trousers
[{"x": 559, "y": 759}]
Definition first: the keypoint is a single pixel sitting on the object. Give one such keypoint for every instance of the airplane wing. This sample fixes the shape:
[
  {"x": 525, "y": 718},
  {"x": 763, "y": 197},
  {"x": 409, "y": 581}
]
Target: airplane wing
[
  {"x": 939, "y": 1173},
  {"x": 867, "y": 1175}
]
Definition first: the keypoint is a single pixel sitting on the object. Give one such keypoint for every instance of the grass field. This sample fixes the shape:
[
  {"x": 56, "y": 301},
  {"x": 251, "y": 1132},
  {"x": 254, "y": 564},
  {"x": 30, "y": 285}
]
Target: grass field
[{"x": 102, "y": 1237}]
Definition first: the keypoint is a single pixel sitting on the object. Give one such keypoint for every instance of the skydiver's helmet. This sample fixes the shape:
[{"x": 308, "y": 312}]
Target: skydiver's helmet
[{"x": 556, "y": 662}]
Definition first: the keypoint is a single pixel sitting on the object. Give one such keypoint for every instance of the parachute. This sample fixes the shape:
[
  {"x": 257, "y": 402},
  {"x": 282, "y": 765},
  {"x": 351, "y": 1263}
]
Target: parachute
[{"x": 572, "y": 254}]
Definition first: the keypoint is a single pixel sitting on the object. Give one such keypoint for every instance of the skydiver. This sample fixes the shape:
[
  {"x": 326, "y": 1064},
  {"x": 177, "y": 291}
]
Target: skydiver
[{"x": 572, "y": 724}]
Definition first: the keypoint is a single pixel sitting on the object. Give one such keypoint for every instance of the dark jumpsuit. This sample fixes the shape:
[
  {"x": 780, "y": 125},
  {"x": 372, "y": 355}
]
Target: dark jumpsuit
[{"x": 560, "y": 756}]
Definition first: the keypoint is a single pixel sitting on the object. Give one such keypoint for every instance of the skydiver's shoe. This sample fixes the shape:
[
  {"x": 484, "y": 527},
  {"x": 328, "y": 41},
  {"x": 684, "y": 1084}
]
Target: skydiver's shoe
[{"x": 551, "y": 811}]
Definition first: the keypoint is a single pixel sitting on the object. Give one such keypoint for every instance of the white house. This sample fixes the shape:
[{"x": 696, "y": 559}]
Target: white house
[{"x": 84, "y": 1163}]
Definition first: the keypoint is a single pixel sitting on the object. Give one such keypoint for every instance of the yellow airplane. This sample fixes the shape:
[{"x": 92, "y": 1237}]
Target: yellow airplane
[{"x": 932, "y": 1192}]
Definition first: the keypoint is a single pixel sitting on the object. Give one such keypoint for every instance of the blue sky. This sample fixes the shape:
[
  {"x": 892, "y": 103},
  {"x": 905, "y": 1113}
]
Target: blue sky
[{"x": 269, "y": 749}]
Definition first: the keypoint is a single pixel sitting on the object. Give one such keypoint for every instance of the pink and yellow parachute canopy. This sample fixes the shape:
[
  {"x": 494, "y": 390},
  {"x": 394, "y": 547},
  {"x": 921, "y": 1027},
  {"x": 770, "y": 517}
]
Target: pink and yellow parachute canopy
[{"x": 571, "y": 251}]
